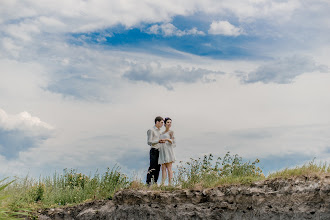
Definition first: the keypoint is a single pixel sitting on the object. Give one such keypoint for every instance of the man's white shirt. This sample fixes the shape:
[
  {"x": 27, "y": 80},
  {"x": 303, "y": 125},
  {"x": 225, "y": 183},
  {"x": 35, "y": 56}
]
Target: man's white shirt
[{"x": 153, "y": 137}]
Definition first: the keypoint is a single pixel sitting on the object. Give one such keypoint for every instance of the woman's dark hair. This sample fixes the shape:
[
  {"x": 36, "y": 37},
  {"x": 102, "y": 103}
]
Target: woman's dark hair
[
  {"x": 158, "y": 118},
  {"x": 166, "y": 119}
]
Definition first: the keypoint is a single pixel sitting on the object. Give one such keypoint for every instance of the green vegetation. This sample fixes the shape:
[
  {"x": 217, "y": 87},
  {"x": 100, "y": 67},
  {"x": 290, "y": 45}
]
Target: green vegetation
[
  {"x": 5, "y": 213},
  {"x": 308, "y": 169},
  {"x": 71, "y": 187},
  {"x": 227, "y": 170}
]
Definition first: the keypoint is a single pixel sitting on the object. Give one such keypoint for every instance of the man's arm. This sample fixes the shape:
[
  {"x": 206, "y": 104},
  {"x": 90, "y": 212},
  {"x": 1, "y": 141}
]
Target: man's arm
[{"x": 150, "y": 134}]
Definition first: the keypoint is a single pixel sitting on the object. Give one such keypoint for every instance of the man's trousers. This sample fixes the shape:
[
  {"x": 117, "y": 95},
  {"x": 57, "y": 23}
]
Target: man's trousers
[{"x": 154, "y": 168}]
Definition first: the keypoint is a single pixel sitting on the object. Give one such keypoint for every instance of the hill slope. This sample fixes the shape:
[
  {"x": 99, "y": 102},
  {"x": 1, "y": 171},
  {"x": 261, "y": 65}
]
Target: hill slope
[{"x": 293, "y": 198}]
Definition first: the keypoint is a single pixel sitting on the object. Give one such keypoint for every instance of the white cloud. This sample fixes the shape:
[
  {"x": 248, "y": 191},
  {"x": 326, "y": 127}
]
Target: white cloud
[
  {"x": 224, "y": 28},
  {"x": 81, "y": 16},
  {"x": 284, "y": 70},
  {"x": 84, "y": 16},
  {"x": 10, "y": 47},
  {"x": 20, "y": 132},
  {"x": 52, "y": 22},
  {"x": 155, "y": 73},
  {"x": 251, "y": 10},
  {"x": 194, "y": 31},
  {"x": 22, "y": 121},
  {"x": 169, "y": 29},
  {"x": 130, "y": 13},
  {"x": 27, "y": 77},
  {"x": 22, "y": 31}
]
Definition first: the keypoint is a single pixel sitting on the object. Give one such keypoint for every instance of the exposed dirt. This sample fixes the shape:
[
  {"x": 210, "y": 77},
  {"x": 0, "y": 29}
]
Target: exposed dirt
[{"x": 296, "y": 198}]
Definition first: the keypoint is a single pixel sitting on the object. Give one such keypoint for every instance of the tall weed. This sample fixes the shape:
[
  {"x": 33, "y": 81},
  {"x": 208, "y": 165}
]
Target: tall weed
[
  {"x": 70, "y": 187},
  {"x": 5, "y": 213},
  {"x": 205, "y": 172}
]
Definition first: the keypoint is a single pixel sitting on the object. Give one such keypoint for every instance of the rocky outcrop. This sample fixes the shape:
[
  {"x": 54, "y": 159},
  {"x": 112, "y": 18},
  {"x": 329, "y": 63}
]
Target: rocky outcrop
[{"x": 296, "y": 198}]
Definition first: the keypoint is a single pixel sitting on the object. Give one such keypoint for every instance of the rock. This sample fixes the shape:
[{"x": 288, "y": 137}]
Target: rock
[
  {"x": 43, "y": 217},
  {"x": 295, "y": 198}
]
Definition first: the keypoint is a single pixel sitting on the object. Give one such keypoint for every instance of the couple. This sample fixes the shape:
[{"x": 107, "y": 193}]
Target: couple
[{"x": 161, "y": 152}]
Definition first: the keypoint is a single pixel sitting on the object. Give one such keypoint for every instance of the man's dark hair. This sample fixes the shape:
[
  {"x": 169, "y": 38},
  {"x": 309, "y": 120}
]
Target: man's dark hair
[{"x": 158, "y": 118}]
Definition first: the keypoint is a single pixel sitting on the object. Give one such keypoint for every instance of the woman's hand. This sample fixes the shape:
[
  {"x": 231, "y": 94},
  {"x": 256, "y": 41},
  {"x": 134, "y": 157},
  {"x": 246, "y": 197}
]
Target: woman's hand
[{"x": 169, "y": 140}]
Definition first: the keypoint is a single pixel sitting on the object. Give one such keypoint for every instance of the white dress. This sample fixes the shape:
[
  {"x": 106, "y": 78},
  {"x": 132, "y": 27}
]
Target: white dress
[{"x": 166, "y": 154}]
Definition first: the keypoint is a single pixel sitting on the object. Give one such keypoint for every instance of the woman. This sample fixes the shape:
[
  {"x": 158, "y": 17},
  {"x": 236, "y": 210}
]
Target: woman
[{"x": 166, "y": 154}]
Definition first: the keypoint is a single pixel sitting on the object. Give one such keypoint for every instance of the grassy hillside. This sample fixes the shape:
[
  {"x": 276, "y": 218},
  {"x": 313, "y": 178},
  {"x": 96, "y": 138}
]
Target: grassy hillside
[{"x": 71, "y": 187}]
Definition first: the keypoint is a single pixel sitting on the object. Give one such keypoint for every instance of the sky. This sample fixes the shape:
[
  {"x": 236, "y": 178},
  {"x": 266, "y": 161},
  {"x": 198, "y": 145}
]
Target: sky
[{"x": 82, "y": 81}]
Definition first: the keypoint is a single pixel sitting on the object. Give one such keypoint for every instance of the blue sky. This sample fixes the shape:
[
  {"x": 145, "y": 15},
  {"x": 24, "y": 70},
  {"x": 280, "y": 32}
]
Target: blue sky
[
  {"x": 225, "y": 47},
  {"x": 81, "y": 82}
]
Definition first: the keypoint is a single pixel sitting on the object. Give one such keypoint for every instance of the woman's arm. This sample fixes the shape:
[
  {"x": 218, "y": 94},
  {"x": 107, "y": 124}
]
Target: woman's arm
[{"x": 172, "y": 138}]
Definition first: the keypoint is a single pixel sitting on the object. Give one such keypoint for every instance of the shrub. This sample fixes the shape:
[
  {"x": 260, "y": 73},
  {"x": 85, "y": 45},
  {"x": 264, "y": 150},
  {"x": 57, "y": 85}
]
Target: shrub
[
  {"x": 111, "y": 181},
  {"x": 36, "y": 193},
  {"x": 204, "y": 172},
  {"x": 73, "y": 179}
]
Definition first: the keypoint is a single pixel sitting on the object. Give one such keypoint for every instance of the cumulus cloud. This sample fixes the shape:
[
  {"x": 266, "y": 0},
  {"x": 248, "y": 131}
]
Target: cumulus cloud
[
  {"x": 155, "y": 73},
  {"x": 59, "y": 68},
  {"x": 169, "y": 29},
  {"x": 285, "y": 70},
  {"x": 21, "y": 132},
  {"x": 224, "y": 28},
  {"x": 79, "y": 86},
  {"x": 85, "y": 73},
  {"x": 23, "y": 30},
  {"x": 85, "y": 16},
  {"x": 38, "y": 22}
]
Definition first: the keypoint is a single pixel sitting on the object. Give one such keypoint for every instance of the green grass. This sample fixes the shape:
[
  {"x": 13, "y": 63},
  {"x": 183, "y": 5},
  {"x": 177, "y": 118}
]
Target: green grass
[
  {"x": 308, "y": 169},
  {"x": 205, "y": 173},
  {"x": 5, "y": 212},
  {"x": 70, "y": 187}
]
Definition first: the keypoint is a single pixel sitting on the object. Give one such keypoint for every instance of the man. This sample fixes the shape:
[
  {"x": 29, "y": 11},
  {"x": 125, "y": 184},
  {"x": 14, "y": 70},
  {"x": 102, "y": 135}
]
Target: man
[{"x": 154, "y": 141}]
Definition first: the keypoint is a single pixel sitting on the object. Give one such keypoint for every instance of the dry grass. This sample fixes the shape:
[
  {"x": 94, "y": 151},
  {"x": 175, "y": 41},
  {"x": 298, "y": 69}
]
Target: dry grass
[{"x": 308, "y": 169}]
